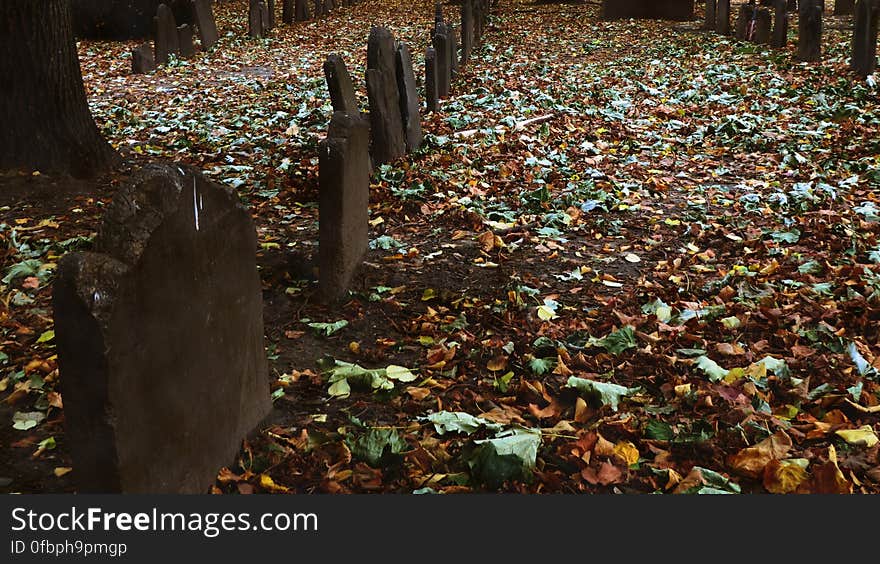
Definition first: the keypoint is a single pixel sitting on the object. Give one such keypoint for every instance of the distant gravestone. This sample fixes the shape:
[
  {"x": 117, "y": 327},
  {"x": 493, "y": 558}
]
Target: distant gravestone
[
  {"x": 166, "y": 42},
  {"x": 142, "y": 61},
  {"x": 386, "y": 126},
  {"x": 763, "y": 27},
  {"x": 438, "y": 15},
  {"x": 159, "y": 335},
  {"x": 318, "y": 9},
  {"x": 779, "y": 37},
  {"x": 301, "y": 10},
  {"x": 287, "y": 11},
  {"x": 340, "y": 86},
  {"x": 709, "y": 17},
  {"x": 467, "y": 30},
  {"x": 453, "y": 51},
  {"x": 409, "y": 98},
  {"x": 680, "y": 10},
  {"x": 844, "y": 7},
  {"x": 270, "y": 12},
  {"x": 204, "y": 18},
  {"x": 343, "y": 204},
  {"x": 431, "y": 95},
  {"x": 185, "y": 41},
  {"x": 444, "y": 65},
  {"x": 809, "y": 30},
  {"x": 864, "y": 41},
  {"x": 255, "y": 19},
  {"x": 722, "y": 17},
  {"x": 329, "y": 6}
]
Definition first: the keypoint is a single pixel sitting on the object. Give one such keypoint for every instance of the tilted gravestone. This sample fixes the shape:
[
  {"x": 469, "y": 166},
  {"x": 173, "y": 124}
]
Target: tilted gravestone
[
  {"x": 779, "y": 37},
  {"x": 386, "y": 125},
  {"x": 809, "y": 30},
  {"x": 343, "y": 203},
  {"x": 142, "y": 61},
  {"x": 409, "y": 98},
  {"x": 160, "y": 337},
  {"x": 301, "y": 10},
  {"x": 444, "y": 65},
  {"x": 185, "y": 41},
  {"x": 166, "y": 41},
  {"x": 431, "y": 79},
  {"x": 204, "y": 18},
  {"x": 340, "y": 86},
  {"x": 467, "y": 30},
  {"x": 864, "y": 41},
  {"x": 722, "y": 17}
]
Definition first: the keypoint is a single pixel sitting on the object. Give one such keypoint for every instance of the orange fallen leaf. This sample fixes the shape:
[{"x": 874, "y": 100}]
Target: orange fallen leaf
[{"x": 751, "y": 461}]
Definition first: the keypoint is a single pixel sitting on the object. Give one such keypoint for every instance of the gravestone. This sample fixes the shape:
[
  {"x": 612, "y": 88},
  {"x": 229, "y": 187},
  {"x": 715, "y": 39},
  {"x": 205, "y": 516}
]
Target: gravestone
[
  {"x": 301, "y": 10},
  {"x": 467, "y": 30},
  {"x": 709, "y": 17},
  {"x": 763, "y": 27},
  {"x": 453, "y": 51},
  {"x": 340, "y": 86},
  {"x": 185, "y": 41},
  {"x": 287, "y": 11},
  {"x": 438, "y": 15},
  {"x": 166, "y": 42},
  {"x": 343, "y": 203},
  {"x": 722, "y": 17},
  {"x": 431, "y": 96},
  {"x": 204, "y": 18},
  {"x": 409, "y": 98},
  {"x": 680, "y": 10},
  {"x": 270, "y": 12},
  {"x": 318, "y": 9},
  {"x": 809, "y": 30},
  {"x": 142, "y": 61},
  {"x": 255, "y": 18},
  {"x": 387, "y": 141},
  {"x": 444, "y": 65},
  {"x": 753, "y": 24},
  {"x": 329, "y": 6},
  {"x": 264, "y": 17},
  {"x": 844, "y": 7},
  {"x": 779, "y": 38},
  {"x": 160, "y": 337},
  {"x": 864, "y": 41}
]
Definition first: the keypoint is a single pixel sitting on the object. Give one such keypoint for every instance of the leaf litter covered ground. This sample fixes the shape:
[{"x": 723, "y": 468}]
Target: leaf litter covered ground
[{"x": 631, "y": 257}]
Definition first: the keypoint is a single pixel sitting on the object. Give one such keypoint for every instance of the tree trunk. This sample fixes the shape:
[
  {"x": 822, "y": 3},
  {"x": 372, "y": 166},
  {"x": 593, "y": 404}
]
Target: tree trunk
[{"x": 47, "y": 125}]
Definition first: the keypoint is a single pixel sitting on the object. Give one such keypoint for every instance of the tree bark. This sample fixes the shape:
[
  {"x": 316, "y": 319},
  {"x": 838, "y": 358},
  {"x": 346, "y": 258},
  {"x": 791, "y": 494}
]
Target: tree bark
[{"x": 47, "y": 125}]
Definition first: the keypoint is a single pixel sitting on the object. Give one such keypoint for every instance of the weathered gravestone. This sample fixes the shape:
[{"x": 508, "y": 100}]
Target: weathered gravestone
[
  {"x": 709, "y": 15},
  {"x": 185, "y": 41},
  {"x": 409, "y": 98},
  {"x": 343, "y": 203},
  {"x": 780, "y": 24},
  {"x": 438, "y": 15},
  {"x": 301, "y": 10},
  {"x": 753, "y": 24},
  {"x": 864, "y": 41},
  {"x": 809, "y": 30},
  {"x": 680, "y": 10},
  {"x": 431, "y": 79},
  {"x": 844, "y": 7},
  {"x": 166, "y": 41},
  {"x": 287, "y": 11},
  {"x": 722, "y": 17},
  {"x": 142, "y": 61},
  {"x": 160, "y": 337},
  {"x": 329, "y": 6},
  {"x": 318, "y": 9},
  {"x": 467, "y": 31},
  {"x": 386, "y": 125},
  {"x": 444, "y": 65},
  {"x": 204, "y": 18},
  {"x": 257, "y": 16},
  {"x": 340, "y": 86},
  {"x": 453, "y": 51},
  {"x": 270, "y": 13}
]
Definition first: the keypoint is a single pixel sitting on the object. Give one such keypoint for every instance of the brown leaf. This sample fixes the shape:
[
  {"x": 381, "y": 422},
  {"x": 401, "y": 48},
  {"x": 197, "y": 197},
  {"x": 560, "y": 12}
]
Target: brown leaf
[
  {"x": 782, "y": 477},
  {"x": 751, "y": 461}
]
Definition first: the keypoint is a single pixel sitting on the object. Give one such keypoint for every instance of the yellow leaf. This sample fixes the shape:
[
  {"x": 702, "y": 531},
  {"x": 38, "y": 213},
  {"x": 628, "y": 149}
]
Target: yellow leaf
[
  {"x": 626, "y": 452},
  {"x": 267, "y": 483},
  {"x": 752, "y": 460},
  {"x": 61, "y": 470},
  {"x": 682, "y": 390},
  {"x": 864, "y": 435},
  {"x": 785, "y": 476},
  {"x": 581, "y": 412},
  {"x": 545, "y": 313}
]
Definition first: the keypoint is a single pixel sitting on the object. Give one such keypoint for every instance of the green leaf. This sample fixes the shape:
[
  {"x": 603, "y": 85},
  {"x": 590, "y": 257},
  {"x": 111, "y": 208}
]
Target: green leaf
[
  {"x": 540, "y": 366},
  {"x": 713, "y": 483},
  {"x": 786, "y": 236},
  {"x": 47, "y": 444},
  {"x": 510, "y": 455},
  {"x": 459, "y": 421},
  {"x": 46, "y": 336},
  {"x": 659, "y": 430},
  {"x": 607, "y": 394},
  {"x": 30, "y": 267},
  {"x": 399, "y": 373},
  {"x": 328, "y": 329},
  {"x": 619, "y": 341},
  {"x": 377, "y": 446},
  {"x": 715, "y": 372},
  {"x": 27, "y": 420}
]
